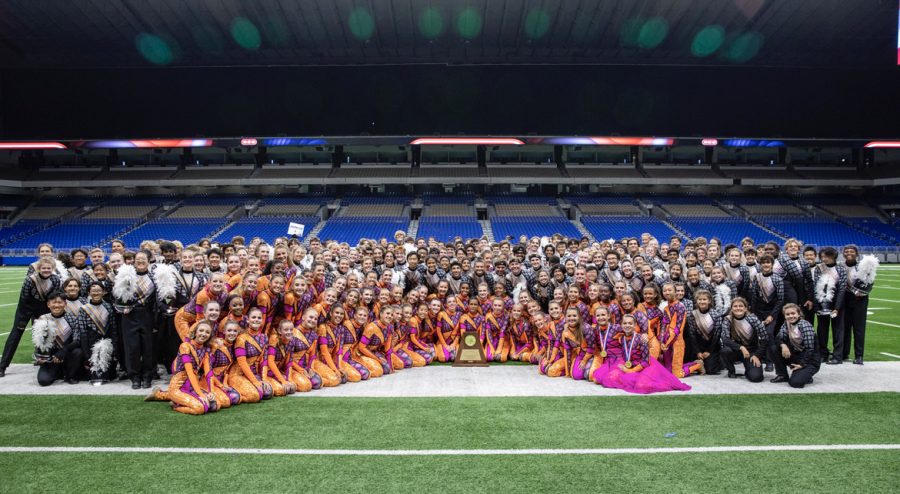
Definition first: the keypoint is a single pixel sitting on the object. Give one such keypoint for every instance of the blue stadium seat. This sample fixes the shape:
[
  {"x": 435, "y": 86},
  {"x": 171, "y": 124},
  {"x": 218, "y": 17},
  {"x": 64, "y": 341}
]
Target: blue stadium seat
[
  {"x": 267, "y": 228},
  {"x": 350, "y": 230},
  {"x": 728, "y": 230},
  {"x": 618, "y": 227},
  {"x": 188, "y": 231},
  {"x": 73, "y": 233},
  {"x": 444, "y": 228},
  {"x": 821, "y": 232},
  {"x": 544, "y": 226}
]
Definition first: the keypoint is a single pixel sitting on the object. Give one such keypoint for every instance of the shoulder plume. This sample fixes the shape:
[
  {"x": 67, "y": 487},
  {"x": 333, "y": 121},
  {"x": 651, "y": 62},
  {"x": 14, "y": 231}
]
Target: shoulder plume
[
  {"x": 867, "y": 268},
  {"x": 126, "y": 284},
  {"x": 165, "y": 280},
  {"x": 101, "y": 355},
  {"x": 41, "y": 335}
]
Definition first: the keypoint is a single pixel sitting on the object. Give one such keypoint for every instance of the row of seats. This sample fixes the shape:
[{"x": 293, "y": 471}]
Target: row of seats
[
  {"x": 188, "y": 231},
  {"x": 73, "y": 233},
  {"x": 267, "y": 228},
  {"x": 350, "y": 230},
  {"x": 444, "y": 228},
  {"x": 730, "y": 230},
  {"x": 373, "y": 210},
  {"x": 819, "y": 231},
  {"x": 122, "y": 212},
  {"x": 186, "y": 212},
  {"x": 546, "y": 226},
  {"x": 617, "y": 227}
]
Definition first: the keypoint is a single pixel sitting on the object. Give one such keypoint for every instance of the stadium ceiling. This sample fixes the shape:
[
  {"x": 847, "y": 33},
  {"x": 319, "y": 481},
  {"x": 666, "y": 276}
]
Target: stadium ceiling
[{"x": 198, "y": 33}]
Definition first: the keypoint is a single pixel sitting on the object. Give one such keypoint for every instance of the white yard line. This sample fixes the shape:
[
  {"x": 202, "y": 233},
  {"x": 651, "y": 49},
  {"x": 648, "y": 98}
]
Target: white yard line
[
  {"x": 890, "y": 355},
  {"x": 885, "y": 300},
  {"x": 883, "y": 323},
  {"x": 447, "y": 452}
]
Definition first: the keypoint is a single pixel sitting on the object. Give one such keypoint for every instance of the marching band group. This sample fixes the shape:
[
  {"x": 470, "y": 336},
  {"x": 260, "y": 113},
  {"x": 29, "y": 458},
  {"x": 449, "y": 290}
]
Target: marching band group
[{"x": 239, "y": 323}]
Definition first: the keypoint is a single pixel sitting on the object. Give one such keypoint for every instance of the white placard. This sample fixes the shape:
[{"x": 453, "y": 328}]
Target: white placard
[{"x": 296, "y": 229}]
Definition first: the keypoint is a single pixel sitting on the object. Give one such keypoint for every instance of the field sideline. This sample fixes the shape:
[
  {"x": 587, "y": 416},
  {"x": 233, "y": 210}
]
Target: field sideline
[{"x": 838, "y": 442}]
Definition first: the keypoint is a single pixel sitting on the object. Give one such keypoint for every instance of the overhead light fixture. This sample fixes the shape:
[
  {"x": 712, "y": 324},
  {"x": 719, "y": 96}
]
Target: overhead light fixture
[
  {"x": 32, "y": 145},
  {"x": 151, "y": 143},
  {"x": 248, "y": 142},
  {"x": 883, "y": 144},
  {"x": 710, "y": 142},
  {"x": 463, "y": 141}
]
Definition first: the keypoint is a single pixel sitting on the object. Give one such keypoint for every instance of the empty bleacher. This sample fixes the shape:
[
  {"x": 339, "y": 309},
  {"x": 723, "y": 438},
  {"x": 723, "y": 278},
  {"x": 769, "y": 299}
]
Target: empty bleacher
[
  {"x": 821, "y": 231},
  {"x": 690, "y": 206},
  {"x": 287, "y": 206},
  {"x": 444, "y": 228},
  {"x": 46, "y": 213},
  {"x": 607, "y": 205},
  {"x": 351, "y": 229},
  {"x": 122, "y": 212},
  {"x": 73, "y": 233},
  {"x": 728, "y": 229},
  {"x": 267, "y": 228},
  {"x": 618, "y": 227},
  {"x": 187, "y": 230},
  {"x": 545, "y": 226}
]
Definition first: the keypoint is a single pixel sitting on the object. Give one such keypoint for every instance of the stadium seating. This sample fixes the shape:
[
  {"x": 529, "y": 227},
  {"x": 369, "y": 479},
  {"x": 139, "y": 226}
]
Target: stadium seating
[
  {"x": 267, "y": 228},
  {"x": 122, "y": 212},
  {"x": 46, "y": 213},
  {"x": 208, "y": 211},
  {"x": 871, "y": 226},
  {"x": 728, "y": 230},
  {"x": 21, "y": 229},
  {"x": 617, "y": 227},
  {"x": 351, "y": 229},
  {"x": 74, "y": 233},
  {"x": 821, "y": 232},
  {"x": 545, "y": 226},
  {"x": 607, "y": 205},
  {"x": 188, "y": 231},
  {"x": 444, "y": 228}
]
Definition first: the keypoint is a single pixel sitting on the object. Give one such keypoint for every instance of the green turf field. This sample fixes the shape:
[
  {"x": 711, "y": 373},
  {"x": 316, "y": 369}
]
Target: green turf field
[
  {"x": 458, "y": 423},
  {"x": 393, "y": 424},
  {"x": 882, "y": 332}
]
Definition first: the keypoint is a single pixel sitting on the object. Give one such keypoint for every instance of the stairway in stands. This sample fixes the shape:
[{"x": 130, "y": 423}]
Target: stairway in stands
[
  {"x": 488, "y": 231},
  {"x": 314, "y": 232},
  {"x": 584, "y": 231},
  {"x": 413, "y": 229}
]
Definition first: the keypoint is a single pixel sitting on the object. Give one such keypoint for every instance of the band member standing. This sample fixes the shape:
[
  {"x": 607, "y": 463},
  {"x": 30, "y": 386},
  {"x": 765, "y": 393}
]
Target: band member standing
[
  {"x": 860, "y": 280},
  {"x": 32, "y": 304}
]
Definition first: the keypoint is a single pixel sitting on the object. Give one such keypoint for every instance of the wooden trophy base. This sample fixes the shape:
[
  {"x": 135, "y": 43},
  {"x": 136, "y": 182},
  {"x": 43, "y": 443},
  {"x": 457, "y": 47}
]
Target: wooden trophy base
[{"x": 470, "y": 352}]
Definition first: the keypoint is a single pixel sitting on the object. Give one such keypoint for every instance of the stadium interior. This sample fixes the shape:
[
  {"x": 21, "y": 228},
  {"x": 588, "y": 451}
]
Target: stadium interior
[{"x": 729, "y": 188}]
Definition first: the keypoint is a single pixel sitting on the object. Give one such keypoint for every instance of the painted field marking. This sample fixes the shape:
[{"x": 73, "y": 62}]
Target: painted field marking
[
  {"x": 890, "y": 354},
  {"x": 8, "y": 305},
  {"x": 6, "y": 333},
  {"x": 447, "y": 452},
  {"x": 885, "y": 300},
  {"x": 883, "y": 323}
]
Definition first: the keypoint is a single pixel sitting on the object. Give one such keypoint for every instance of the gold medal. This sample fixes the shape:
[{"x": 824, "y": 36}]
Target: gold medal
[
  {"x": 627, "y": 364},
  {"x": 603, "y": 354}
]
